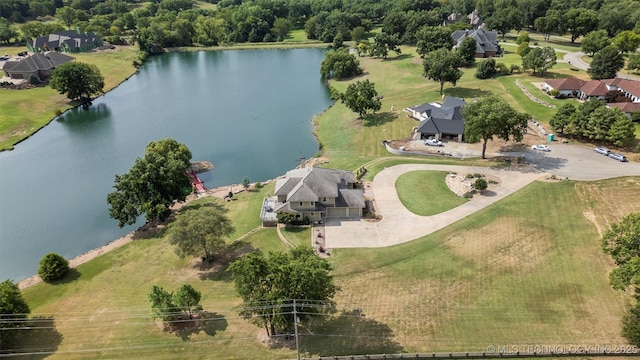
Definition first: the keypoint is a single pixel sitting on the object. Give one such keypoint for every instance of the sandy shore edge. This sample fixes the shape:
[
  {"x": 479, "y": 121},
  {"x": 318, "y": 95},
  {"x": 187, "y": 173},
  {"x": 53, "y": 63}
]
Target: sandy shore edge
[{"x": 219, "y": 192}]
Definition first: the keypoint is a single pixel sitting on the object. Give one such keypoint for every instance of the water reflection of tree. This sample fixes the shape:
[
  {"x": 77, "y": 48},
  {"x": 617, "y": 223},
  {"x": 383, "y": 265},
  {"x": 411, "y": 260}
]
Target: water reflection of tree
[{"x": 83, "y": 115}]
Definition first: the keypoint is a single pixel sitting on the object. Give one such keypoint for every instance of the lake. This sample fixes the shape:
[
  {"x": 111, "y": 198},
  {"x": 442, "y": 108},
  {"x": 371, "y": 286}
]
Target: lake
[{"x": 247, "y": 111}]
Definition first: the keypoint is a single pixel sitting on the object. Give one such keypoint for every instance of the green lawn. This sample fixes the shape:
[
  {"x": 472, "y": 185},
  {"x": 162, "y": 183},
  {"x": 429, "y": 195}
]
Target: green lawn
[
  {"x": 426, "y": 193},
  {"x": 526, "y": 269},
  {"x": 297, "y": 236},
  {"x": 21, "y": 116}
]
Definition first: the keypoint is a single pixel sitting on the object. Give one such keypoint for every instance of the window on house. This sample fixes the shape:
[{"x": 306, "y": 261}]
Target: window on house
[
  {"x": 311, "y": 214},
  {"x": 300, "y": 203},
  {"x": 324, "y": 199},
  {"x": 297, "y": 216}
]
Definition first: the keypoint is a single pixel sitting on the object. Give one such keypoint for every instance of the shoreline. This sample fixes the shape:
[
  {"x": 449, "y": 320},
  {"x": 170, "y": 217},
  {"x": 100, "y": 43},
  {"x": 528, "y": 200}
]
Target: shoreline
[{"x": 219, "y": 192}]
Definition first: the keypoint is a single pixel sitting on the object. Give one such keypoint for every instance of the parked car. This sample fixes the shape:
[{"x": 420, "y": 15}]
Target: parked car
[
  {"x": 433, "y": 142},
  {"x": 601, "y": 150},
  {"x": 540, "y": 147},
  {"x": 4, "y": 57},
  {"x": 618, "y": 157}
]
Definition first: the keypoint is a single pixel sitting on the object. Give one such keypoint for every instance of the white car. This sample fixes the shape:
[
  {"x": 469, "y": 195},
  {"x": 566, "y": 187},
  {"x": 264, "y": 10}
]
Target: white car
[
  {"x": 540, "y": 147},
  {"x": 433, "y": 142},
  {"x": 601, "y": 150}
]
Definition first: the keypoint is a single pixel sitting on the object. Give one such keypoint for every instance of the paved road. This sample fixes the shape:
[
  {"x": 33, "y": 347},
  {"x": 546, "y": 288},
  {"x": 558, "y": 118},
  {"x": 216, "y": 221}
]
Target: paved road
[
  {"x": 575, "y": 59},
  {"x": 578, "y": 162},
  {"x": 399, "y": 225}
]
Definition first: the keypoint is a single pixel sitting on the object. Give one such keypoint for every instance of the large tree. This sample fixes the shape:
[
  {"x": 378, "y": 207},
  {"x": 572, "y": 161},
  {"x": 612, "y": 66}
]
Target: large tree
[
  {"x": 539, "y": 59},
  {"x": 200, "y": 232},
  {"x": 431, "y": 38},
  {"x": 467, "y": 50},
  {"x": 492, "y": 116},
  {"x": 595, "y": 41},
  {"x": 268, "y": 284},
  {"x": 383, "y": 43},
  {"x": 360, "y": 97},
  {"x": 187, "y": 298},
  {"x": 606, "y": 63},
  {"x": 562, "y": 117},
  {"x": 622, "y": 242},
  {"x": 339, "y": 64},
  {"x": 13, "y": 309},
  {"x": 6, "y": 31},
  {"x": 627, "y": 41},
  {"x": 547, "y": 25},
  {"x": 634, "y": 62},
  {"x": 505, "y": 19},
  {"x": 78, "y": 80},
  {"x": 153, "y": 184},
  {"x": 579, "y": 22},
  {"x": 442, "y": 66}
]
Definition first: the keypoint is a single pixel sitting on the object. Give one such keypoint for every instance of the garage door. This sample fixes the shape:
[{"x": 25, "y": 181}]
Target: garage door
[
  {"x": 336, "y": 212},
  {"x": 355, "y": 212}
]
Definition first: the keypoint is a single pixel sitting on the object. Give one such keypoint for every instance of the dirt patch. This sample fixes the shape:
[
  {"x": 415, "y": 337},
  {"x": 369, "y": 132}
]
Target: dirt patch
[
  {"x": 504, "y": 244},
  {"x": 609, "y": 201}
]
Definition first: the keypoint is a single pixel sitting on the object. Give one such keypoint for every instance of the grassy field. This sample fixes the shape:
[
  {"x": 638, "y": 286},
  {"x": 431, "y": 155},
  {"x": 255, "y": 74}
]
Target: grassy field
[
  {"x": 527, "y": 269},
  {"x": 425, "y": 193}
]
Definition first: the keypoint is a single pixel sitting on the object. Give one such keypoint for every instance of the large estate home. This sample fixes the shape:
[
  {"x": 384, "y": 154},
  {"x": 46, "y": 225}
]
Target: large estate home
[
  {"x": 314, "y": 193},
  {"x": 38, "y": 65},
  {"x": 65, "y": 41},
  {"x": 440, "y": 121},
  {"x": 486, "y": 41},
  {"x": 588, "y": 89}
]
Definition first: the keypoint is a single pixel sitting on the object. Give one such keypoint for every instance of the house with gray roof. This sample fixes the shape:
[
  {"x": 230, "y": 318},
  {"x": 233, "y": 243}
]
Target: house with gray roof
[
  {"x": 65, "y": 41},
  {"x": 314, "y": 193},
  {"x": 39, "y": 65},
  {"x": 486, "y": 41},
  {"x": 440, "y": 121}
]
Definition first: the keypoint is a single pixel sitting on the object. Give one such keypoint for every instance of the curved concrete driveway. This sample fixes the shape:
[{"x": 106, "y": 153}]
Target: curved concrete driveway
[{"x": 399, "y": 225}]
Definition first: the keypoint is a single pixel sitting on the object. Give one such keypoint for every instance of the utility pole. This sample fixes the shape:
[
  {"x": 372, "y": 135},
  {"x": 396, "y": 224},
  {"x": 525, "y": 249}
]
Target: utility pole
[{"x": 295, "y": 326}]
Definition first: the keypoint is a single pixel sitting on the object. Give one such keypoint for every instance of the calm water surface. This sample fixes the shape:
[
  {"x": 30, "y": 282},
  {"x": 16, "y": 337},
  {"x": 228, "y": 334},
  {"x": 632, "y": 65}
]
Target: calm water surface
[{"x": 246, "y": 111}]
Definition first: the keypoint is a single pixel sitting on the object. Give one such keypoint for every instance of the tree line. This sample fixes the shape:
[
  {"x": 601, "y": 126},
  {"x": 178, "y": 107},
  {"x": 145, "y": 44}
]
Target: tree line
[{"x": 167, "y": 23}]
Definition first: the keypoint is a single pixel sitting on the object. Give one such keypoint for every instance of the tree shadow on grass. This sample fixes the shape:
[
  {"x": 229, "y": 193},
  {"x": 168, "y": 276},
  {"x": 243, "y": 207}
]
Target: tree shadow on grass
[
  {"x": 195, "y": 206},
  {"x": 217, "y": 269},
  {"x": 40, "y": 341},
  {"x": 348, "y": 333},
  {"x": 71, "y": 276},
  {"x": 466, "y": 93},
  {"x": 379, "y": 119},
  {"x": 204, "y": 321},
  {"x": 399, "y": 57}
]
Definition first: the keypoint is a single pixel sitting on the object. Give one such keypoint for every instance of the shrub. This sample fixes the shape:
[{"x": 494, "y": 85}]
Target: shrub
[
  {"x": 524, "y": 37},
  {"x": 502, "y": 69},
  {"x": 58, "y": 112},
  {"x": 285, "y": 218},
  {"x": 486, "y": 69},
  {"x": 469, "y": 176},
  {"x": 259, "y": 185},
  {"x": 554, "y": 92},
  {"x": 53, "y": 267},
  {"x": 480, "y": 184},
  {"x": 34, "y": 80}
]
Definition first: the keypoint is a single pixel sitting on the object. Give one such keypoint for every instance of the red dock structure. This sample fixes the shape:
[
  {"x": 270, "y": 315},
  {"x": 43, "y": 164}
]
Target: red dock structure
[{"x": 196, "y": 182}]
